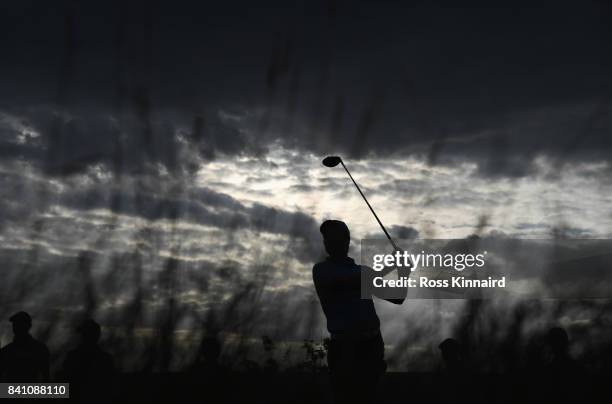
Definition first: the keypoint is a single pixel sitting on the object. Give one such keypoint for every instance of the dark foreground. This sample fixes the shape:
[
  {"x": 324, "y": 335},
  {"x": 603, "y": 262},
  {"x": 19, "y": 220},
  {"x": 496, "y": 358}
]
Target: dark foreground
[{"x": 314, "y": 388}]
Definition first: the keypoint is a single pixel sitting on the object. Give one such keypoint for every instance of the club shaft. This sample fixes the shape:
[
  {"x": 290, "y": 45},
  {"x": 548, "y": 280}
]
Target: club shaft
[{"x": 370, "y": 206}]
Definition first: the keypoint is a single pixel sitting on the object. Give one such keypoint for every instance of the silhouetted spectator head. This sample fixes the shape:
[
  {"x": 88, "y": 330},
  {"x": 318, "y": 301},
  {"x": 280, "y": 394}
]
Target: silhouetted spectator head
[
  {"x": 210, "y": 349},
  {"x": 336, "y": 237},
  {"x": 450, "y": 351},
  {"x": 90, "y": 332},
  {"x": 558, "y": 341},
  {"x": 22, "y": 322}
]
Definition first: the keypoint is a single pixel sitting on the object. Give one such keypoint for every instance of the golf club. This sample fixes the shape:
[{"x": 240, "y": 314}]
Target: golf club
[{"x": 333, "y": 161}]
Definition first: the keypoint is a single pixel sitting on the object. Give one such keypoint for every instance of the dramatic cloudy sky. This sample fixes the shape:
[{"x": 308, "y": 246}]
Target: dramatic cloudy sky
[{"x": 142, "y": 141}]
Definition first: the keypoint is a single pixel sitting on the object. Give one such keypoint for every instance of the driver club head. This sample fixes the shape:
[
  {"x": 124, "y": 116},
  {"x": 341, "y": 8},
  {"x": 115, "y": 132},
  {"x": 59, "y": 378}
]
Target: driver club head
[{"x": 331, "y": 161}]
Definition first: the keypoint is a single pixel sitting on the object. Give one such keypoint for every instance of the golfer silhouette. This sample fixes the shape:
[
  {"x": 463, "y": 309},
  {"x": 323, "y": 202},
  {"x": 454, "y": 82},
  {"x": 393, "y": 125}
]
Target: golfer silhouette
[
  {"x": 25, "y": 359},
  {"x": 355, "y": 357}
]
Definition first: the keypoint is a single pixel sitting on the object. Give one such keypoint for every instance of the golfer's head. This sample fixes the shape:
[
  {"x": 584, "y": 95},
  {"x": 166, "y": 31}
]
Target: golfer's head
[{"x": 336, "y": 237}]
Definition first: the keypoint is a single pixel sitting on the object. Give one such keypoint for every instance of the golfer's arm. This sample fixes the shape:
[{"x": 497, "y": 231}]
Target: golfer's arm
[{"x": 401, "y": 272}]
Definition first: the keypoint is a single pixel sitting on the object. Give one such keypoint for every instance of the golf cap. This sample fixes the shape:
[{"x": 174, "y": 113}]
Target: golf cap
[
  {"x": 335, "y": 229},
  {"x": 21, "y": 317}
]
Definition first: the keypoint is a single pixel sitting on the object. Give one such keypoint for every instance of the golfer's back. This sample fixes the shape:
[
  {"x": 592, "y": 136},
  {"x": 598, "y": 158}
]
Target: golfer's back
[{"x": 337, "y": 281}]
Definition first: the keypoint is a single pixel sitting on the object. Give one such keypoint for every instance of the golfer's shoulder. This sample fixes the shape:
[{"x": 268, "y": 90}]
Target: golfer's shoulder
[
  {"x": 323, "y": 269},
  {"x": 318, "y": 267}
]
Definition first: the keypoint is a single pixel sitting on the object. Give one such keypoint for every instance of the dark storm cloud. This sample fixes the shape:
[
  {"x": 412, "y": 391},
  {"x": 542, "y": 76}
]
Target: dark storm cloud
[
  {"x": 497, "y": 85},
  {"x": 559, "y": 231},
  {"x": 404, "y": 232},
  {"x": 202, "y": 206},
  {"x": 397, "y": 232},
  {"x": 153, "y": 200},
  {"x": 71, "y": 140}
]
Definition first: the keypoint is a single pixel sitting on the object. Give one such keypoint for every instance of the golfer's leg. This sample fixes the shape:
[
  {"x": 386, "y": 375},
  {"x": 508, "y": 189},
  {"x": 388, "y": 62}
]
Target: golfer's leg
[
  {"x": 374, "y": 367},
  {"x": 342, "y": 371}
]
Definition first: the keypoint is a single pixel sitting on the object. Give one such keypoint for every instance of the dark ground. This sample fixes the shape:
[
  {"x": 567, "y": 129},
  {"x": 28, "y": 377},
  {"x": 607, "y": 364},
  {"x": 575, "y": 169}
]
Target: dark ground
[{"x": 395, "y": 388}]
